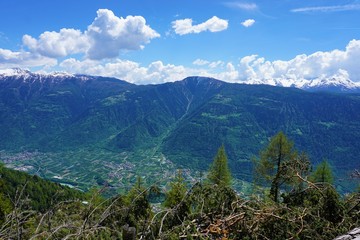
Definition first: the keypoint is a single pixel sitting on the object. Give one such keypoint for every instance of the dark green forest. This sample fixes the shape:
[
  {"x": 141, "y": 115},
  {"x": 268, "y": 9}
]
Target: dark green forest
[{"x": 290, "y": 199}]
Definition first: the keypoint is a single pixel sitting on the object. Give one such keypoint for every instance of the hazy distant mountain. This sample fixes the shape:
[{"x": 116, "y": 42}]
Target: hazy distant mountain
[{"x": 186, "y": 121}]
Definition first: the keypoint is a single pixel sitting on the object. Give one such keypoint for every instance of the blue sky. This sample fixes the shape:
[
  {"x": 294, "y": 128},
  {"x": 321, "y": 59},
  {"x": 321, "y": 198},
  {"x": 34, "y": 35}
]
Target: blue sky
[{"x": 165, "y": 40}]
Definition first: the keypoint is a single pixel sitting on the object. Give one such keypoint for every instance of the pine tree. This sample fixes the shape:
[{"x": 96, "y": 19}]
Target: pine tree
[
  {"x": 219, "y": 172},
  {"x": 274, "y": 163}
]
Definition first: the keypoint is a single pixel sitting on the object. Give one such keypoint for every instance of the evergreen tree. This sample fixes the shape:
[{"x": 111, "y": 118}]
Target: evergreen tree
[
  {"x": 219, "y": 172},
  {"x": 175, "y": 199},
  {"x": 177, "y": 191},
  {"x": 138, "y": 202},
  {"x": 322, "y": 174},
  {"x": 275, "y": 163},
  {"x": 332, "y": 207}
]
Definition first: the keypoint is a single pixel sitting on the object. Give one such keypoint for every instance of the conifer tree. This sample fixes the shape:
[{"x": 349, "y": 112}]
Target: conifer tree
[
  {"x": 137, "y": 199},
  {"x": 322, "y": 174},
  {"x": 274, "y": 162},
  {"x": 177, "y": 191},
  {"x": 175, "y": 199},
  {"x": 219, "y": 172}
]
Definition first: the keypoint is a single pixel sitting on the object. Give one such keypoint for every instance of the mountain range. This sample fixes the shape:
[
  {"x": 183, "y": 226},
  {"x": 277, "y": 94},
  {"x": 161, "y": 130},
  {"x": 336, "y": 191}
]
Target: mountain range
[
  {"x": 339, "y": 82},
  {"x": 87, "y": 122}
]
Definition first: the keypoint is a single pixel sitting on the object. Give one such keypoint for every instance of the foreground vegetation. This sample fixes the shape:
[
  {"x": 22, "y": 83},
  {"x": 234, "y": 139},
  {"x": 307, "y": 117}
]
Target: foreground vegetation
[{"x": 288, "y": 202}]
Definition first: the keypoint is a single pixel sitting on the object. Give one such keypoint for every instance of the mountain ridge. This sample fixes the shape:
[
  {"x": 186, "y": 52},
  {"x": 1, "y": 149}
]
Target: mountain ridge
[
  {"x": 339, "y": 82},
  {"x": 182, "y": 122}
]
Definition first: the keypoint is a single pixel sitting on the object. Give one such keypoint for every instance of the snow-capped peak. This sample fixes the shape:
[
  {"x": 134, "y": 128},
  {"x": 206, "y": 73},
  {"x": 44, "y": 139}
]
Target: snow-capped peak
[
  {"x": 14, "y": 72},
  {"x": 24, "y": 74},
  {"x": 333, "y": 81},
  {"x": 339, "y": 82}
]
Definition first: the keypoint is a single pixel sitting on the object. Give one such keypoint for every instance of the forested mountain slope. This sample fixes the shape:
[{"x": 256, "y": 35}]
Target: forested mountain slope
[{"x": 184, "y": 121}]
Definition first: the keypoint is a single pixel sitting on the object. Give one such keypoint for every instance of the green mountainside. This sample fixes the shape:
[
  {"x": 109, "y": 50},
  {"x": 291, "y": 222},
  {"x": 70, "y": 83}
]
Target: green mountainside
[
  {"x": 84, "y": 130},
  {"x": 244, "y": 116},
  {"x": 40, "y": 193}
]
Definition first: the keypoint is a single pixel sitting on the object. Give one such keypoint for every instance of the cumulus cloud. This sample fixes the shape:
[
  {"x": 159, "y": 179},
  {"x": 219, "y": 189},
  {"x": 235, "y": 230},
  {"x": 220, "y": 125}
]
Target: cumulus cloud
[
  {"x": 42, "y": 52},
  {"x": 185, "y": 26},
  {"x": 109, "y": 34},
  {"x": 10, "y": 59},
  {"x": 331, "y": 64},
  {"x": 105, "y": 37},
  {"x": 230, "y": 74},
  {"x": 156, "y": 72},
  {"x": 316, "y": 65},
  {"x": 57, "y": 44},
  {"x": 248, "y": 22},
  {"x": 116, "y": 68}
]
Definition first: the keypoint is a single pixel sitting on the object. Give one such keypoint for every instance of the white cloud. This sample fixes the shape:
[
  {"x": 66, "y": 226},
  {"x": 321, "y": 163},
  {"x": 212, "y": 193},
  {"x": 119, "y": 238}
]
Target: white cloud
[
  {"x": 185, "y": 26},
  {"x": 318, "y": 64},
  {"x": 242, "y": 5},
  {"x": 116, "y": 68},
  {"x": 200, "y": 62},
  {"x": 156, "y": 72},
  {"x": 231, "y": 74},
  {"x": 248, "y": 22},
  {"x": 105, "y": 37},
  {"x": 10, "y": 59},
  {"x": 216, "y": 64},
  {"x": 57, "y": 44},
  {"x": 336, "y": 63},
  {"x": 109, "y": 34},
  {"x": 107, "y": 31},
  {"x": 336, "y": 8}
]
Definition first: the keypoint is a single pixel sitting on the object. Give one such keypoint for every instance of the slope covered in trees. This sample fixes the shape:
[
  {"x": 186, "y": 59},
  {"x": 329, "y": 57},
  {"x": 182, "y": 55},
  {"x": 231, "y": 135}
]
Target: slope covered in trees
[{"x": 41, "y": 193}]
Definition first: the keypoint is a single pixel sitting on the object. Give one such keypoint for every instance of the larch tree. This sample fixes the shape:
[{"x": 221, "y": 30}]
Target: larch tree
[
  {"x": 274, "y": 164},
  {"x": 176, "y": 192},
  {"x": 175, "y": 199},
  {"x": 219, "y": 172},
  {"x": 322, "y": 174}
]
